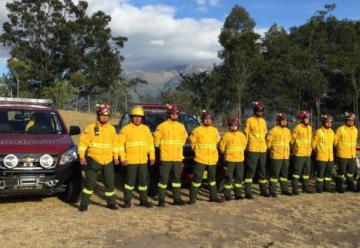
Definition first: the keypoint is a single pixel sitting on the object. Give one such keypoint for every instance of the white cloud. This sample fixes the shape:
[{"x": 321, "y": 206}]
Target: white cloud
[
  {"x": 212, "y": 3},
  {"x": 157, "y": 42},
  {"x": 156, "y": 39}
]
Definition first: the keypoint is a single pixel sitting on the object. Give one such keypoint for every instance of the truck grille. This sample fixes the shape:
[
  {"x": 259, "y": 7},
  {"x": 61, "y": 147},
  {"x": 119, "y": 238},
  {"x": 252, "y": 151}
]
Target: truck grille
[{"x": 28, "y": 162}]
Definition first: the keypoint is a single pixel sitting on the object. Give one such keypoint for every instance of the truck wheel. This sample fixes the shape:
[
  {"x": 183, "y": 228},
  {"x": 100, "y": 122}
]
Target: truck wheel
[{"x": 73, "y": 189}]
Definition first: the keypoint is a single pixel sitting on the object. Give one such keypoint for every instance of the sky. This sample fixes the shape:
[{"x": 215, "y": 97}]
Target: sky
[{"x": 163, "y": 34}]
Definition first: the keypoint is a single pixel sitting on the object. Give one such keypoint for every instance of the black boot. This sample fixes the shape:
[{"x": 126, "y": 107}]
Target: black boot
[
  {"x": 193, "y": 193},
  {"x": 263, "y": 190},
  {"x": 248, "y": 193},
  {"x": 285, "y": 188},
  {"x": 161, "y": 203},
  {"x": 179, "y": 202},
  {"x": 350, "y": 185},
  {"x": 83, "y": 208},
  {"x": 227, "y": 194},
  {"x": 127, "y": 204},
  {"x": 238, "y": 193},
  {"x": 146, "y": 204},
  {"x": 214, "y": 195},
  {"x": 319, "y": 186},
  {"x": 327, "y": 187},
  {"x": 113, "y": 207},
  {"x": 306, "y": 187},
  {"x": 295, "y": 183},
  {"x": 339, "y": 185}
]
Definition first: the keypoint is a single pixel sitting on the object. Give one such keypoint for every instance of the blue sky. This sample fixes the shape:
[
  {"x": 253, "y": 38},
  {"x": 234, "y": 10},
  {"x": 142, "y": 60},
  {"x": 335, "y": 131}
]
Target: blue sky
[
  {"x": 166, "y": 33},
  {"x": 286, "y": 13}
]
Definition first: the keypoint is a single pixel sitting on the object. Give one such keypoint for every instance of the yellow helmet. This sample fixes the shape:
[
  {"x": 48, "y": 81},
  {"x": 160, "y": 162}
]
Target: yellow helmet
[{"x": 137, "y": 110}]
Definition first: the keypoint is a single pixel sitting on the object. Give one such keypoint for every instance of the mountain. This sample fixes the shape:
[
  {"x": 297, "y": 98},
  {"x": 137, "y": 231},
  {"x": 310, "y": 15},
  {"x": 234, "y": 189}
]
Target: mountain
[{"x": 159, "y": 81}]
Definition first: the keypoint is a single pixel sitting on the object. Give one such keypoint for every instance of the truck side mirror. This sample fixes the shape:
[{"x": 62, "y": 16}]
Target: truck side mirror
[{"x": 74, "y": 130}]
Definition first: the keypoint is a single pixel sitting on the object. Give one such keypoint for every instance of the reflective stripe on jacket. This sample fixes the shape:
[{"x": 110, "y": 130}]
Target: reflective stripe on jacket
[
  {"x": 255, "y": 131},
  {"x": 323, "y": 143},
  {"x": 278, "y": 140},
  {"x": 301, "y": 140},
  {"x": 346, "y": 141},
  {"x": 233, "y": 145},
  {"x": 137, "y": 144},
  {"x": 204, "y": 142},
  {"x": 170, "y": 136},
  {"x": 103, "y": 148}
]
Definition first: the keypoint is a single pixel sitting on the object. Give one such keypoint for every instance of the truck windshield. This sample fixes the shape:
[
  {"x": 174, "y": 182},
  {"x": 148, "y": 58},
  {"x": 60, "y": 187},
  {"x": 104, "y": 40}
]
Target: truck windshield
[{"x": 28, "y": 121}]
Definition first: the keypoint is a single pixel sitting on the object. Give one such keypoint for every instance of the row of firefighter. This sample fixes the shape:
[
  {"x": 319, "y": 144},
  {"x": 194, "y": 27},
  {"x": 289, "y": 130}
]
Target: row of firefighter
[{"x": 101, "y": 147}]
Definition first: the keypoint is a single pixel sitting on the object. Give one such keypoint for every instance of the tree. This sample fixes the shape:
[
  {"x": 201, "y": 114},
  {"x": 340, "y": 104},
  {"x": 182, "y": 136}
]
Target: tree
[
  {"x": 21, "y": 72},
  {"x": 53, "y": 35},
  {"x": 61, "y": 92},
  {"x": 200, "y": 88},
  {"x": 240, "y": 55}
]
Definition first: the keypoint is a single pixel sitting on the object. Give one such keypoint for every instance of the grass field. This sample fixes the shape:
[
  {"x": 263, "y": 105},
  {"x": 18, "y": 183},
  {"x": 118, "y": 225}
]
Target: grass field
[{"x": 308, "y": 220}]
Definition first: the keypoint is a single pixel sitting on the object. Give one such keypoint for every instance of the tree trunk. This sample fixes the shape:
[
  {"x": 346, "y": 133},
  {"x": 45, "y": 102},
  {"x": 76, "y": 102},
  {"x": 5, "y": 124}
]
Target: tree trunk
[
  {"x": 17, "y": 86},
  {"x": 317, "y": 102},
  {"x": 89, "y": 108}
]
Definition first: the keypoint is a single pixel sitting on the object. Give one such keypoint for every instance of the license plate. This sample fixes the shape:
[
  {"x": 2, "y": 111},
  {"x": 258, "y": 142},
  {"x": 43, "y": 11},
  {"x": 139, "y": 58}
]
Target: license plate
[{"x": 29, "y": 181}]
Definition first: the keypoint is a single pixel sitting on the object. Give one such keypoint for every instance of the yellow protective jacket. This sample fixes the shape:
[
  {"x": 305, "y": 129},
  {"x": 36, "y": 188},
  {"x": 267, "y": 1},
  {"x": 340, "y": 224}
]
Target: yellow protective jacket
[
  {"x": 278, "y": 141},
  {"x": 103, "y": 148},
  {"x": 137, "y": 144},
  {"x": 204, "y": 142},
  {"x": 346, "y": 141},
  {"x": 170, "y": 136},
  {"x": 255, "y": 131},
  {"x": 233, "y": 145},
  {"x": 301, "y": 140},
  {"x": 323, "y": 143}
]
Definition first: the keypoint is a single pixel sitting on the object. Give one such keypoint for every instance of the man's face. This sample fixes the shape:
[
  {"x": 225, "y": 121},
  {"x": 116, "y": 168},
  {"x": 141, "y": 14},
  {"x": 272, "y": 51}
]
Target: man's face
[
  {"x": 306, "y": 121},
  {"x": 103, "y": 118},
  {"x": 234, "y": 128},
  {"x": 207, "y": 121},
  {"x": 136, "y": 120},
  {"x": 349, "y": 122},
  {"x": 284, "y": 122},
  {"x": 174, "y": 116},
  {"x": 259, "y": 113},
  {"x": 327, "y": 124}
]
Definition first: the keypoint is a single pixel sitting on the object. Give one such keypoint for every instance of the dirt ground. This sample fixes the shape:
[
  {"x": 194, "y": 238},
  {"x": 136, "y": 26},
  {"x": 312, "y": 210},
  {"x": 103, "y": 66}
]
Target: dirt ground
[{"x": 326, "y": 220}]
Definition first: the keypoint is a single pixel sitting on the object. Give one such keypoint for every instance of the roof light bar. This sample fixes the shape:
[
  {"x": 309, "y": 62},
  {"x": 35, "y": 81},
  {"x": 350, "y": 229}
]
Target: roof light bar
[{"x": 26, "y": 101}]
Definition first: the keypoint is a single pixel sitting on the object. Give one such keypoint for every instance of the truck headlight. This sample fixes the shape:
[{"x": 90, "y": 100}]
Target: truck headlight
[
  {"x": 68, "y": 156},
  {"x": 10, "y": 161},
  {"x": 46, "y": 161}
]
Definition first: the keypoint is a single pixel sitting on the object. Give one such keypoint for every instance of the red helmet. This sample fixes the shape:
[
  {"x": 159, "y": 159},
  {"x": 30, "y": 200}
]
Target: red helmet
[
  {"x": 304, "y": 114},
  {"x": 326, "y": 118},
  {"x": 103, "y": 109},
  {"x": 349, "y": 116},
  {"x": 205, "y": 114},
  {"x": 172, "y": 109},
  {"x": 258, "y": 106},
  {"x": 234, "y": 121},
  {"x": 281, "y": 117}
]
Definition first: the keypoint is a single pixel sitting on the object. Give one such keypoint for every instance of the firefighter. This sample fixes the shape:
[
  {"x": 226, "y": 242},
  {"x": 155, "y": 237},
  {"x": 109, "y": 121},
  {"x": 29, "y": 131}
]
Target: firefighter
[
  {"x": 278, "y": 141},
  {"x": 204, "y": 140},
  {"x": 301, "y": 149},
  {"x": 345, "y": 143},
  {"x": 99, "y": 151},
  {"x": 170, "y": 137},
  {"x": 137, "y": 148},
  {"x": 323, "y": 144},
  {"x": 255, "y": 131},
  {"x": 233, "y": 145}
]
